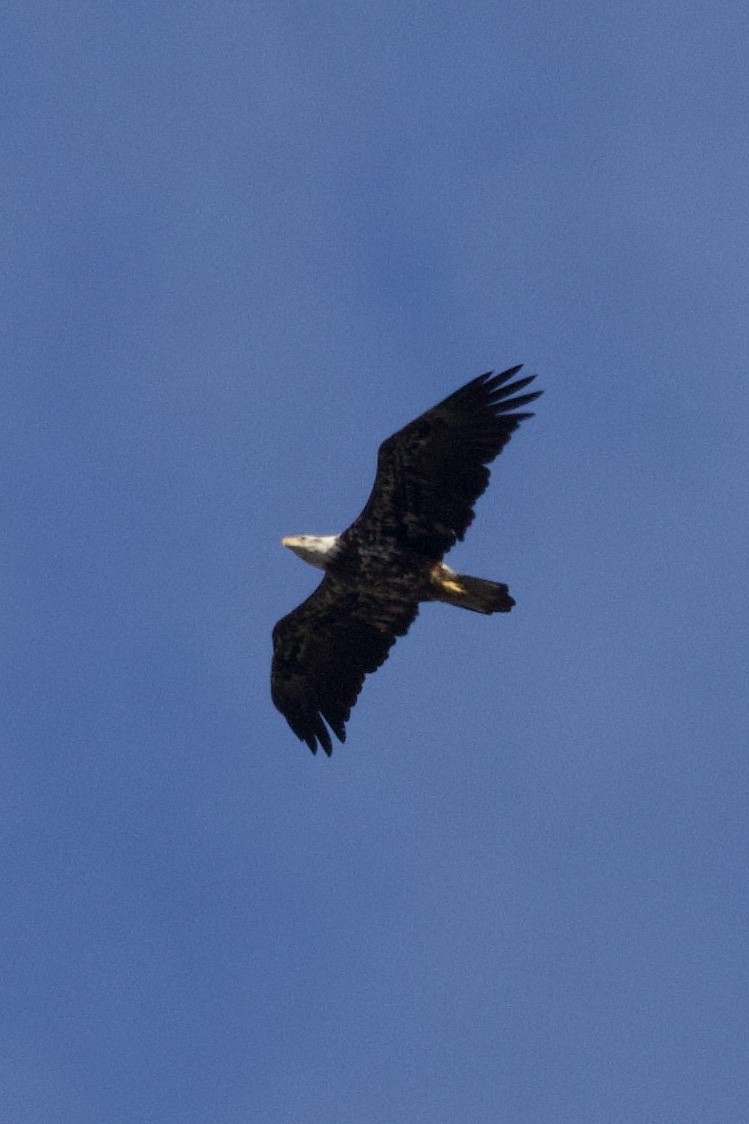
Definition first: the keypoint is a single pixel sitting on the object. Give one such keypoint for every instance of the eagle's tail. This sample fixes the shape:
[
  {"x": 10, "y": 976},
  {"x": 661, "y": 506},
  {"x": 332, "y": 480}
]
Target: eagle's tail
[{"x": 477, "y": 594}]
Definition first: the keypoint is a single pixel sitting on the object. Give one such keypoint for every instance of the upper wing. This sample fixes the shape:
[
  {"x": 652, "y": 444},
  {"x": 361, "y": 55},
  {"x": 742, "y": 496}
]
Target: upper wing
[
  {"x": 431, "y": 472},
  {"x": 323, "y": 650}
]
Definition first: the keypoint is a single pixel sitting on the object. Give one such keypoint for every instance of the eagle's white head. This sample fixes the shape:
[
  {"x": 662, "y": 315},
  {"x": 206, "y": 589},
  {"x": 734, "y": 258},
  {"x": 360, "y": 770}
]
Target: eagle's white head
[{"x": 315, "y": 549}]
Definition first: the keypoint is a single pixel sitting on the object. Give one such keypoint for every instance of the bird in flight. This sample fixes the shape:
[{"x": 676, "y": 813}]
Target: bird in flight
[{"x": 429, "y": 476}]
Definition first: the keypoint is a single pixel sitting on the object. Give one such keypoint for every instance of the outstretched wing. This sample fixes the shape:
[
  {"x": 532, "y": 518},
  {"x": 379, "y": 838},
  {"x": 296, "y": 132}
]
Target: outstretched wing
[
  {"x": 323, "y": 650},
  {"x": 431, "y": 472}
]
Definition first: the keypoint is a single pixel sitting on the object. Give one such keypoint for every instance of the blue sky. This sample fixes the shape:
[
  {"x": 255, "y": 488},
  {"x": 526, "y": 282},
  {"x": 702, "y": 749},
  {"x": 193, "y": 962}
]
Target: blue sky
[{"x": 243, "y": 243}]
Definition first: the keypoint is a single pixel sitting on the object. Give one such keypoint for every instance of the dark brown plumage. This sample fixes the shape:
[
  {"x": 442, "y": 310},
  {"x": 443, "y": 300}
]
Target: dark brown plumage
[{"x": 429, "y": 476}]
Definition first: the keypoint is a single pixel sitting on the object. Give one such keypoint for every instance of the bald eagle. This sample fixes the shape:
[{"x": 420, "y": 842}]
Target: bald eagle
[{"x": 429, "y": 476}]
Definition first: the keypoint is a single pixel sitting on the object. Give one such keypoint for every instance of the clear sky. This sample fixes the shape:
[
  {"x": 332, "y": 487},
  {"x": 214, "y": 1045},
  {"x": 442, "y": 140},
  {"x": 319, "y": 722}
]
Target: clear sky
[{"x": 241, "y": 244}]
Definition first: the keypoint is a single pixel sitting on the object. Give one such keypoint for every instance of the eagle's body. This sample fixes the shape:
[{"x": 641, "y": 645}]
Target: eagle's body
[{"x": 429, "y": 475}]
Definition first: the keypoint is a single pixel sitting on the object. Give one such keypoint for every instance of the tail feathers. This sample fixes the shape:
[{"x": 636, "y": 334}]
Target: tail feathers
[{"x": 477, "y": 594}]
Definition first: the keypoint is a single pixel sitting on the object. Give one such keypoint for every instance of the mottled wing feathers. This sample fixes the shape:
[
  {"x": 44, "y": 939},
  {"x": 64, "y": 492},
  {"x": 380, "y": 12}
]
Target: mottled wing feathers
[
  {"x": 323, "y": 650},
  {"x": 431, "y": 472}
]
